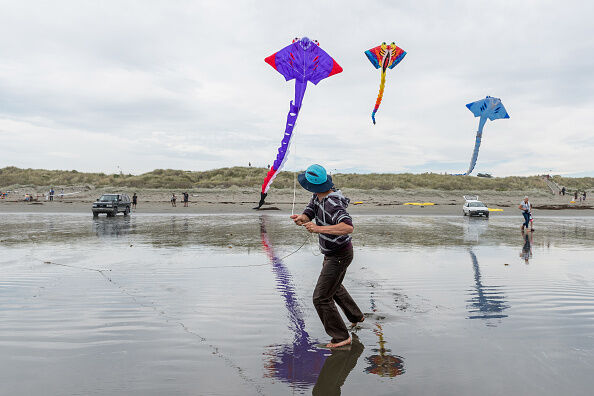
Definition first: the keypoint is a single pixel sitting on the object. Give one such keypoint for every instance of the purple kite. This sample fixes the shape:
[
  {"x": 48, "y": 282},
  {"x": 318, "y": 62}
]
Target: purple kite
[{"x": 303, "y": 61}]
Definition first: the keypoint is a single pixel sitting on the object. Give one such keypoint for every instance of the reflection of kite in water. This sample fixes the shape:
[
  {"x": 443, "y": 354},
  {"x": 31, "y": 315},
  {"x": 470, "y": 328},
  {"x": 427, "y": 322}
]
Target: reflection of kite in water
[
  {"x": 487, "y": 302},
  {"x": 300, "y": 362},
  {"x": 490, "y": 108},
  {"x": 384, "y": 365},
  {"x": 386, "y": 57},
  {"x": 303, "y": 61}
]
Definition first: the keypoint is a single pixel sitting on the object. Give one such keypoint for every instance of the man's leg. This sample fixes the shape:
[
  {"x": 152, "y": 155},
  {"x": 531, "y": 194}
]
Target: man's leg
[
  {"x": 342, "y": 296},
  {"x": 526, "y": 219},
  {"x": 329, "y": 281},
  {"x": 348, "y": 305}
]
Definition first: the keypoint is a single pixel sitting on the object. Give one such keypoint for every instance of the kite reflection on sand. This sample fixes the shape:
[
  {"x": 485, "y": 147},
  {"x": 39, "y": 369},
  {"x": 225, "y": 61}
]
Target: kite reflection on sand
[
  {"x": 486, "y": 302},
  {"x": 382, "y": 363},
  {"x": 302, "y": 364}
]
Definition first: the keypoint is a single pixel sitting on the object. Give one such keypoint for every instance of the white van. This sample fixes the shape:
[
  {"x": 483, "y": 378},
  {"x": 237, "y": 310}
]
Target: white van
[{"x": 474, "y": 207}]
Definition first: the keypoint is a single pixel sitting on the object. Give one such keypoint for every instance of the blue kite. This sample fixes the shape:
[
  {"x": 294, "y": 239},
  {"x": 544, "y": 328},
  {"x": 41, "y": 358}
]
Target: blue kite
[{"x": 490, "y": 108}]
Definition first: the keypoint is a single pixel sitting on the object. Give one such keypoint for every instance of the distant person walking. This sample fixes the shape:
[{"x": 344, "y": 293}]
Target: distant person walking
[
  {"x": 563, "y": 190},
  {"x": 134, "y": 200},
  {"x": 186, "y": 199},
  {"x": 173, "y": 200},
  {"x": 575, "y": 196},
  {"x": 526, "y": 208},
  {"x": 584, "y": 195},
  {"x": 51, "y": 194}
]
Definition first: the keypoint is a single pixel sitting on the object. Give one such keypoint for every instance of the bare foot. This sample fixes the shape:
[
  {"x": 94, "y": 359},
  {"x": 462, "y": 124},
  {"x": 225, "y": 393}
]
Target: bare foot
[{"x": 339, "y": 344}]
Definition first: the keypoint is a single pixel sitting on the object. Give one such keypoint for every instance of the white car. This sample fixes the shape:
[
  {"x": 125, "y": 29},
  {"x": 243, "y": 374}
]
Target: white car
[{"x": 474, "y": 207}]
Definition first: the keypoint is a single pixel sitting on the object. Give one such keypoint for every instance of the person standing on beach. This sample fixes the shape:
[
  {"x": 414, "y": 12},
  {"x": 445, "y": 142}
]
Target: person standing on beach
[
  {"x": 51, "y": 194},
  {"x": 333, "y": 224},
  {"x": 134, "y": 200},
  {"x": 575, "y": 196},
  {"x": 186, "y": 199},
  {"x": 526, "y": 208},
  {"x": 173, "y": 200}
]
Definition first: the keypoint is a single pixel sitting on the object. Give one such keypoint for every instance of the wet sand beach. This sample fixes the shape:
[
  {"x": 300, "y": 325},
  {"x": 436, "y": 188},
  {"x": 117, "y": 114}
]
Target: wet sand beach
[
  {"x": 235, "y": 200},
  {"x": 155, "y": 304}
]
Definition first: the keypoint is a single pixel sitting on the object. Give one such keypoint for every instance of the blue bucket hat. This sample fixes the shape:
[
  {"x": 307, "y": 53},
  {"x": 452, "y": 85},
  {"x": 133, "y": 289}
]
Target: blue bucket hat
[{"x": 315, "y": 179}]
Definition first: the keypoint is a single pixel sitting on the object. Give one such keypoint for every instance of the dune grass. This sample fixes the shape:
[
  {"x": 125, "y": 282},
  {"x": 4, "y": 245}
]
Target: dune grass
[{"x": 252, "y": 178}]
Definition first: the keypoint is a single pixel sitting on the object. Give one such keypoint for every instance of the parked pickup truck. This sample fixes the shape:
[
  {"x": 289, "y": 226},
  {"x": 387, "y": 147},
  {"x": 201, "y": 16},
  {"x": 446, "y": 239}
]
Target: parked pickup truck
[{"x": 111, "y": 204}]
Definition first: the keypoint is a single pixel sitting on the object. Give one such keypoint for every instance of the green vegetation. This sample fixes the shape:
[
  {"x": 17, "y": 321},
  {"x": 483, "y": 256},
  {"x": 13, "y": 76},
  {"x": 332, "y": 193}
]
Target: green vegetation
[
  {"x": 574, "y": 183},
  {"x": 252, "y": 177}
]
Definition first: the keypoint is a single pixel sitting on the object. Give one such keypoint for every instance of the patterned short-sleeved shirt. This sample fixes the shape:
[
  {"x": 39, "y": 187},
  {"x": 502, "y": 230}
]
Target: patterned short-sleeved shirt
[{"x": 331, "y": 210}]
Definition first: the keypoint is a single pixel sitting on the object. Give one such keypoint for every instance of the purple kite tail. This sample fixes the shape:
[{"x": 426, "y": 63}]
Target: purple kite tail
[{"x": 283, "y": 150}]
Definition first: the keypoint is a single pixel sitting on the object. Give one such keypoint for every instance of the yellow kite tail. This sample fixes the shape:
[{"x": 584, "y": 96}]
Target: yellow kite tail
[{"x": 379, "y": 95}]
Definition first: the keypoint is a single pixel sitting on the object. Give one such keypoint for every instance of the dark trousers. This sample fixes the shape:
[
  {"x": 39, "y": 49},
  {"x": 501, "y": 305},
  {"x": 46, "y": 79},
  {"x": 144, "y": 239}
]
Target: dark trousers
[
  {"x": 329, "y": 291},
  {"x": 526, "y": 219}
]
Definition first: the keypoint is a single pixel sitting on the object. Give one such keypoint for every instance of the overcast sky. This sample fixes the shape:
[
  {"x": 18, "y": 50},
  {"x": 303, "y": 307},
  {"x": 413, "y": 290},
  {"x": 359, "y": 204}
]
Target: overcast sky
[{"x": 93, "y": 85}]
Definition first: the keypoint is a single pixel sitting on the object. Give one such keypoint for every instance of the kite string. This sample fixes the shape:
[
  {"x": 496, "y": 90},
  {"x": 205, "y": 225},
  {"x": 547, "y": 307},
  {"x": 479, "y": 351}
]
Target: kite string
[
  {"x": 310, "y": 235},
  {"x": 294, "y": 179},
  {"x": 294, "y": 192},
  {"x": 168, "y": 318},
  {"x": 101, "y": 271}
]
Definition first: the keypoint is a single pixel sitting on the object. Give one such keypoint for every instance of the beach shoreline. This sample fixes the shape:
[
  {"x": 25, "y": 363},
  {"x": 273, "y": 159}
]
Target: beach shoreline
[{"x": 364, "y": 202}]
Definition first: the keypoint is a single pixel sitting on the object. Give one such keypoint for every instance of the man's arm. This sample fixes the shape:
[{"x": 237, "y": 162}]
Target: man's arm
[
  {"x": 338, "y": 229},
  {"x": 307, "y": 216}
]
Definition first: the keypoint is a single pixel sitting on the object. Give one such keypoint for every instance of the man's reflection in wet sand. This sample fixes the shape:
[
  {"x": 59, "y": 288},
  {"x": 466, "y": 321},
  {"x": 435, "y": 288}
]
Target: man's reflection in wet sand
[
  {"x": 486, "y": 302},
  {"x": 382, "y": 363},
  {"x": 526, "y": 252},
  {"x": 337, "y": 368}
]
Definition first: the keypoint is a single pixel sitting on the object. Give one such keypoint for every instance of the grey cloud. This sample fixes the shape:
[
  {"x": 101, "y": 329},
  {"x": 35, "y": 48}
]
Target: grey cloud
[{"x": 185, "y": 86}]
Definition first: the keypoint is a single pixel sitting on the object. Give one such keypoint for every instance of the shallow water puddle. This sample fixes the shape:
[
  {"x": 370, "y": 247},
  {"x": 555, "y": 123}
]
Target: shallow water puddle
[{"x": 210, "y": 304}]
